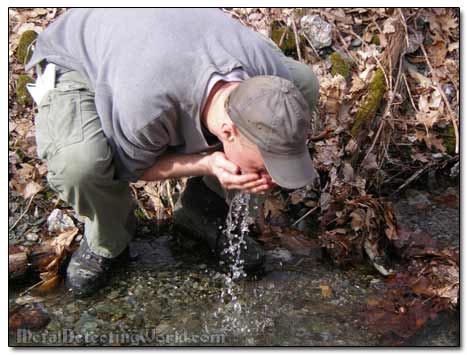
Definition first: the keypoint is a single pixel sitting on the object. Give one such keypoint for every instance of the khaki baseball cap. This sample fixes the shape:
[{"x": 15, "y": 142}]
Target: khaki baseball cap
[{"x": 273, "y": 114}]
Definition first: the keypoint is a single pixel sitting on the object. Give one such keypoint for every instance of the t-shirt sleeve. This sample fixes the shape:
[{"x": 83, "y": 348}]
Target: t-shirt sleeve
[{"x": 138, "y": 150}]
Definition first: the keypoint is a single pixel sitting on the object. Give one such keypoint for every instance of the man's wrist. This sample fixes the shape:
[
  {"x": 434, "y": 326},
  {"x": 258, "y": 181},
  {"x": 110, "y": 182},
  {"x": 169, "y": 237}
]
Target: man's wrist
[{"x": 206, "y": 163}]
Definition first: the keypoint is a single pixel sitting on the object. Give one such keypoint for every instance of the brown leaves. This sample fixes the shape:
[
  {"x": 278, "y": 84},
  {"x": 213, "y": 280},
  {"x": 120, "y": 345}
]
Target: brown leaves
[
  {"x": 26, "y": 180},
  {"x": 62, "y": 247},
  {"x": 396, "y": 316}
]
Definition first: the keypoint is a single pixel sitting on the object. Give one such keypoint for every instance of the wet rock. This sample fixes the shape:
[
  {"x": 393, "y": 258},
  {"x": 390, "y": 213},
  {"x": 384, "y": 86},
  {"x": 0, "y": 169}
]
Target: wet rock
[
  {"x": 163, "y": 328},
  {"x": 280, "y": 254},
  {"x": 113, "y": 294},
  {"x": 86, "y": 324},
  {"x": 104, "y": 308},
  {"x": 30, "y": 316},
  {"x": 416, "y": 198}
]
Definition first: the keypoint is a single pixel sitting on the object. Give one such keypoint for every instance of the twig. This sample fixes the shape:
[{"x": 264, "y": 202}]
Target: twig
[
  {"x": 322, "y": 135},
  {"x": 413, "y": 177},
  {"x": 305, "y": 215},
  {"x": 297, "y": 42},
  {"x": 24, "y": 212},
  {"x": 31, "y": 287},
  {"x": 344, "y": 44},
  {"x": 311, "y": 45},
  {"x": 169, "y": 194},
  {"x": 445, "y": 99},
  {"x": 404, "y": 23},
  {"x": 410, "y": 94}
]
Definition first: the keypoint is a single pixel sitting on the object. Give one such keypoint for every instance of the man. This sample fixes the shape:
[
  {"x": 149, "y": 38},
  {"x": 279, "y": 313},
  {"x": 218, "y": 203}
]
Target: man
[{"x": 152, "y": 94}]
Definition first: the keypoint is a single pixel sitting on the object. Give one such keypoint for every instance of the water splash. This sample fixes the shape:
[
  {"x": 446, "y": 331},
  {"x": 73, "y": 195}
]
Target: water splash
[
  {"x": 230, "y": 308},
  {"x": 237, "y": 314}
]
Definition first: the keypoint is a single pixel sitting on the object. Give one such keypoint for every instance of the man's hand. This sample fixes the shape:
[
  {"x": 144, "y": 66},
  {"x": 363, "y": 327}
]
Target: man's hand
[{"x": 230, "y": 176}]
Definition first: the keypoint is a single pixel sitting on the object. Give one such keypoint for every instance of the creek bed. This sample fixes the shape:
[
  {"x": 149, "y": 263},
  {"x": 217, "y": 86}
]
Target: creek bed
[{"x": 169, "y": 295}]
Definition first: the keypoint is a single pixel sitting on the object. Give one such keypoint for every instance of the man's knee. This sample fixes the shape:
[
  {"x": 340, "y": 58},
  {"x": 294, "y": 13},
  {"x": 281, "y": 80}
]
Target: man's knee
[{"x": 82, "y": 165}]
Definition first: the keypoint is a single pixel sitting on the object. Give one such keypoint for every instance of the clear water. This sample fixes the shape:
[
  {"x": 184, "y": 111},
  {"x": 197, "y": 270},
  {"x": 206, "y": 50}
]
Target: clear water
[
  {"x": 172, "y": 290},
  {"x": 232, "y": 313}
]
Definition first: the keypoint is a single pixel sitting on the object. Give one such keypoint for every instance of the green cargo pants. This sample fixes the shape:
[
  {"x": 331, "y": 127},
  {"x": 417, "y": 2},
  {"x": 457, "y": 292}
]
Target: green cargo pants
[{"x": 70, "y": 137}]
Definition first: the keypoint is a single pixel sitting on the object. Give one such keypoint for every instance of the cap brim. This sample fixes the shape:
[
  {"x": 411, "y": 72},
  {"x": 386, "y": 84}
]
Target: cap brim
[{"x": 291, "y": 171}]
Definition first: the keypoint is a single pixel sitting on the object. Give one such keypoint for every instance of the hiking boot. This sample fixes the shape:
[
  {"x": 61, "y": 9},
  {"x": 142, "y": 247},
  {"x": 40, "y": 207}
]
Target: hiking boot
[
  {"x": 87, "y": 272},
  {"x": 200, "y": 213}
]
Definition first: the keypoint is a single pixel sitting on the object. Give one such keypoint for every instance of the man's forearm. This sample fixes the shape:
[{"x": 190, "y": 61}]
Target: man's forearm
[{"x": 178, "y": 165}]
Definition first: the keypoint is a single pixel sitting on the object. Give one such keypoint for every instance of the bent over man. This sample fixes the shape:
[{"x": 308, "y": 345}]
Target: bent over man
[{"x": 152, "y": 94}]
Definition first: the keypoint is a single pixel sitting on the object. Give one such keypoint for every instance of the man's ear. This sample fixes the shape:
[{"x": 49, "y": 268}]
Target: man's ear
[{"x": 228, "y": 131}]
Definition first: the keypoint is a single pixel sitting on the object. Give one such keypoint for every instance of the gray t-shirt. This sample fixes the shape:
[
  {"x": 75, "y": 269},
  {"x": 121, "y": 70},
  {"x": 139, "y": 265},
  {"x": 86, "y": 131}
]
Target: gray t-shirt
[{"x": 150, "y": 69}]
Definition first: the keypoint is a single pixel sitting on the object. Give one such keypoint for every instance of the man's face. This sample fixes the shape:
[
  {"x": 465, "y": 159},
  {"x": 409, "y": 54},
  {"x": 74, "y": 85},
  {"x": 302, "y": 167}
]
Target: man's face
[{"x": 245, "y": 154}]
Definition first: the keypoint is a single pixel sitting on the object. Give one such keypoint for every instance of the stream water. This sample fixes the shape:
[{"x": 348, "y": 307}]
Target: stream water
[{"x": 169, "y": 295}]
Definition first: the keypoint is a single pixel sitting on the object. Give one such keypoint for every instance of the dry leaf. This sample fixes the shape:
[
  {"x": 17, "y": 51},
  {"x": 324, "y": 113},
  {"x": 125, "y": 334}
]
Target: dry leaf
[
  {"x": 31, "y": 189},
  {"x": 66, "y": 238},
  {"x": 326, "y": 291}
]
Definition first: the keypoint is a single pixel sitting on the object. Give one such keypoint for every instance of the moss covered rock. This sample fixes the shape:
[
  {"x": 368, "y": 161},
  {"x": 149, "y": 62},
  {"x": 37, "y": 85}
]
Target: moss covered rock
[
  {"x": 288, "y": 45},
  {"x": 22, "y": 94},
  {"x": 340, "y": 65},
  {"x": 370, "y": 103},
  {"x": 24, "y": 50},
  {"x": 449, "y": 140}
]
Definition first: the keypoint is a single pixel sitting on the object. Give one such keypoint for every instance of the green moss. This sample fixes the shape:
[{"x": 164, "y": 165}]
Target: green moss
[
  {"x": 288, "y": 44},
  {"x": 449, "y": 140},
  {"x": 49, "y": 195},
  {"x": 340, "y": 65},
  {"x": 22, "y": 94},
  {"x": 24, "y": 51},
  {"x": 375, "y": 40},
  {"x": 370, "y": 103},
  {"x": 139, "y": 214}
]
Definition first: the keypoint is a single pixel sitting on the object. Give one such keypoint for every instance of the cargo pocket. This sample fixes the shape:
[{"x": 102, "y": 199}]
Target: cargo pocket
[
  {"x": 64, "y": 116},
  {"x": 43, "y": 139}
]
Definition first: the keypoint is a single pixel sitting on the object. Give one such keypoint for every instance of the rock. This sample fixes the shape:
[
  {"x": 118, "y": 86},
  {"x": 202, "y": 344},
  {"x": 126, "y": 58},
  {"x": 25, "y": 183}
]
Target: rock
[
  {"x": 58, "y": 221},
  {"x": 29, "y": 316},
  {"x": 104, "y": 308},
  {"x": 356, "y": 43},
  {"x": 416, "y": 198},
  {"x": 281, "y": 254},
  {"x": 318, "y": 31},
  {"x": 87, "y": 324},
  {"x": 163, "y": 328},
  {"x": 32, "y": 237},
  {"x": 450, "y": 91},
  {"x": 455, "y": 170}
]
